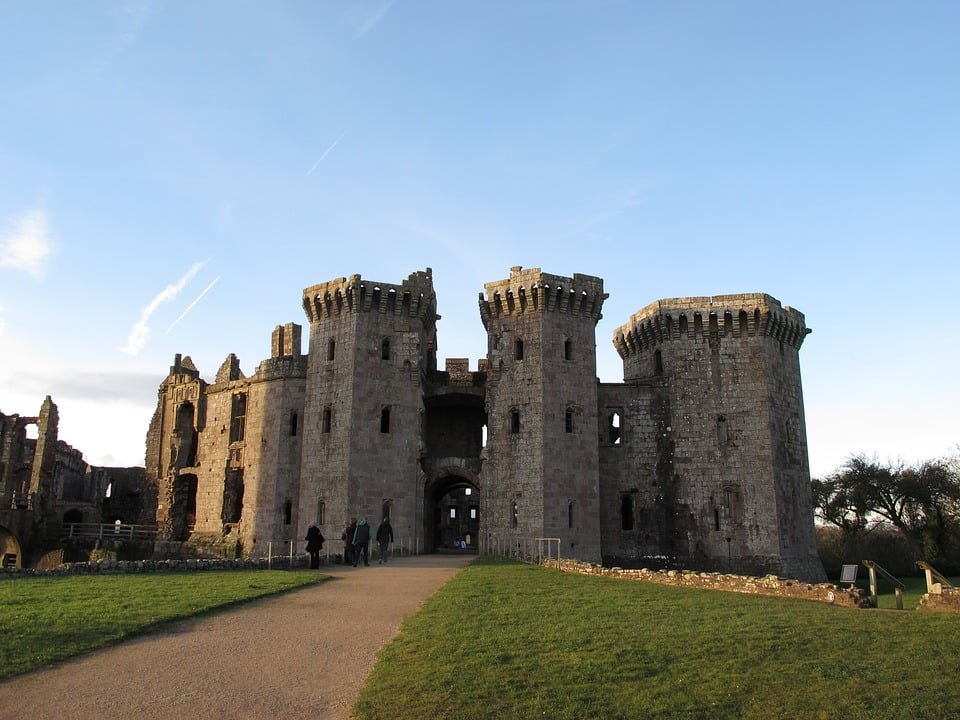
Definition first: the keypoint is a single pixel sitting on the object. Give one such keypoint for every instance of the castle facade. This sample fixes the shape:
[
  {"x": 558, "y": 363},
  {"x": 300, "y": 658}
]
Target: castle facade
[{"x": 698, "y": 458}]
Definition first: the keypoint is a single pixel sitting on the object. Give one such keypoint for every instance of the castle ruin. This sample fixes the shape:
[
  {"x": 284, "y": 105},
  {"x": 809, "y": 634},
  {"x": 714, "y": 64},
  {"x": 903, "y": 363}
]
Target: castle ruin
[{"x": 698, "y": 458}]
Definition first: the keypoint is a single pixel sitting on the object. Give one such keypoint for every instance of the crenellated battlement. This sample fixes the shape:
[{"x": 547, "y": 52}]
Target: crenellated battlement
[
  {"x": 751, "y": 314},
  {"x": 414, "y": 297},
  {"x": 532, "y": 290}
]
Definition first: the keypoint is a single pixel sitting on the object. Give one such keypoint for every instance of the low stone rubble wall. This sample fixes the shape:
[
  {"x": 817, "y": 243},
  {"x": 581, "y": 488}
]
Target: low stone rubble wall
[
  {"x": 104, "y": 567},
  {"x": 941, "y": 598},
  {"x": 766, "y": 585}
]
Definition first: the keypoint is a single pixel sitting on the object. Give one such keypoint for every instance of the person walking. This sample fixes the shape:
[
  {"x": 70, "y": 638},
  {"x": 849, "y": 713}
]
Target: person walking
[
  {"x": 361, "y": 543},
  {"x": 384, "y": 538},
  {"x": 347, "y": 537},
  {"x": 315, "y": 542}
]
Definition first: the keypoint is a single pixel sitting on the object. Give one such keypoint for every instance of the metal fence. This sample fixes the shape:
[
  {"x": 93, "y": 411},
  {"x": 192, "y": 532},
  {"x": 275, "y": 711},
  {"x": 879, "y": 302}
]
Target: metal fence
[{"x": 115, "y": 531}]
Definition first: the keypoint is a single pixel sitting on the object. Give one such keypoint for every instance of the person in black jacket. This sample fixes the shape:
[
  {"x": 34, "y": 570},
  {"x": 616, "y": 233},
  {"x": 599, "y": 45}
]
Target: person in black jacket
[
  {"x": 384, "y": 538},
  {"x": 361, "y": 542},
  {"x": 347, "y": 538},
  {"x": 314, "y": 545}
]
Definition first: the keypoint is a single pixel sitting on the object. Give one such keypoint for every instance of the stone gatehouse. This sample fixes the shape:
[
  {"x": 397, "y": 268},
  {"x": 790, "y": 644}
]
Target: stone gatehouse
[{"x": 697, "y": 458}]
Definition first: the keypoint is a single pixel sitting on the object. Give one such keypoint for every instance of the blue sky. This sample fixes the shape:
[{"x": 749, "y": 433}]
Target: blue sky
[{"x": 154, "y": 152}]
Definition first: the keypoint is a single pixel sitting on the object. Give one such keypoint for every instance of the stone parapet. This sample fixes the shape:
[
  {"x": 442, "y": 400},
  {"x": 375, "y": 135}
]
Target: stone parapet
[
  {"x": 745, "y": 314},
  {"x": 414, "y": 297},
  {"x": 532, "y": 290},
  {"x": 766, "y": 585}
]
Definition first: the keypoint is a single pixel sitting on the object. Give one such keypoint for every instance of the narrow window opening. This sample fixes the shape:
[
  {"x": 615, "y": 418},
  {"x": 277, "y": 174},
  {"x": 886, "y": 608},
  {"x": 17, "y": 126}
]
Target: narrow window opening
[
  {"x": 321, "y": 512},
  {"x": 109, "y": 490},
  {"x": 568, "y": 420},
  {"x": 385, "y": 420},
  {"x": 331, "y": 349},
  {"x": 238, "y": 418},
  {"x": 570, "y": 514},
  {"x": 518, "y": 350},
  {"x": 385, "y": 508},
  {"x": 453, "y": 513},
  {"x": 287, "y": 513},
  {"x": 716, "y": 519},
  {"x": 473, "y": 512},
  {"x": 567, "y": 350},
  {"x": 722, "y": 437},
  {"x": 658, "y": 363},
  {"x": 385, "y": 349},
  {"x": 294, "y": 419},
  {"x": 514, "y": 515},
  {"x": 468, "y": 491},
  {"x": 613, "y": 428},
  {"x": 514, "y": 421},
  {"x": 626, "y": 512},
  {"x": 325, "y": 424},
  {"x": 483, "y": 436}
]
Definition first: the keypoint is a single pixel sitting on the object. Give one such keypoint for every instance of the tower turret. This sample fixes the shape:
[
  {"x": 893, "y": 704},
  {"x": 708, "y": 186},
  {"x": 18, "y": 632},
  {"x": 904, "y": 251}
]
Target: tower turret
[
  {"x": 729, "y": 365},
  {"x": 541, "y": 474}
]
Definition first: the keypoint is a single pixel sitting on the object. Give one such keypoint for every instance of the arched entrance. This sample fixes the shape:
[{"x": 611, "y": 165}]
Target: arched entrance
[{"x": 452, "y": 515}]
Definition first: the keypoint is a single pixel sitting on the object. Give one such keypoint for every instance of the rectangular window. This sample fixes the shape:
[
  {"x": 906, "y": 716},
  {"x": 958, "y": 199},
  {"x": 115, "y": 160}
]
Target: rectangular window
[
  {"x": 325, "y": 423},
  {"x": 238, "y": 417},
  {"x": 331, "y": 349},
  {"x": 518, "y": 349},
  {"x": 473, "y": 512},
  {"x": 568, "y": 421},
  {"x": 453, "y": 513},
  {"x": 293, "y": 423},
  {"x": 514, "y": 421},
  {"x": 385, "y": 420}
]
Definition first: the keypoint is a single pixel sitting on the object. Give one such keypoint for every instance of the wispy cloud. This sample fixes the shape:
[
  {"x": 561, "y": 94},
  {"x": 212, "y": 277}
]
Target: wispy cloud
[
  {"x": 371, "y": 22},
  {"x": 141, "y": 329},
  {"x": 326, "y": 152},
  {"x": 190, "y": 306},
  {"x": 28, "y": 246}
]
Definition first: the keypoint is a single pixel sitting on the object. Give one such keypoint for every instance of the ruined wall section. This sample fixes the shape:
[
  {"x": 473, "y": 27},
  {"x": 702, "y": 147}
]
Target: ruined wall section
[
  {"x": 541, "y": 474},
  {"x": 370, "y": 344},
  {"x": 714, "y": 354},
  {"x": 172, "y": 446},
  {"x": 639, "y": 518}
]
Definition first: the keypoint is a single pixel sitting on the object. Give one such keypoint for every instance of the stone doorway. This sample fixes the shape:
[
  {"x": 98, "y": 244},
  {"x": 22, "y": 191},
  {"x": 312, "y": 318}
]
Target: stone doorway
[{"x": 452, "y": 515}]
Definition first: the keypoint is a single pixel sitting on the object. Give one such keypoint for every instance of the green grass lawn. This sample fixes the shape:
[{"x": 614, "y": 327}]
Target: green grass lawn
[
  {"x": 46, "y": 619},
  {"x": 505, "y": 640}
]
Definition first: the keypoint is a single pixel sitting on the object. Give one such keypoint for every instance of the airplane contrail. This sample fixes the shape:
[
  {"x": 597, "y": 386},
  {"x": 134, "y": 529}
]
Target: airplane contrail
[
  {"x": 326, "y": 152},
  {"x": 190, "y": 306}
]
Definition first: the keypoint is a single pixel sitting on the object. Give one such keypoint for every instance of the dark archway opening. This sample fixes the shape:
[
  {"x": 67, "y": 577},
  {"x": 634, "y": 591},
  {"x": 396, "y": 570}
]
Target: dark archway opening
[
  {"x": 452, "y": 515},
  {"x": 71, "y": 517},
  {"x": 184, "y": 515}
]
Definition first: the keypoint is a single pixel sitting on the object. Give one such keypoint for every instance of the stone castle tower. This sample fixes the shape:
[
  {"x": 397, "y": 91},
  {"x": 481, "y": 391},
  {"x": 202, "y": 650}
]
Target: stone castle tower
[{"x": 698, "y": 458}]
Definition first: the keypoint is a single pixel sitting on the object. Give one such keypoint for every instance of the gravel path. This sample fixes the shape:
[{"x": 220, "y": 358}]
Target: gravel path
[{"x": 304, "y": 654}]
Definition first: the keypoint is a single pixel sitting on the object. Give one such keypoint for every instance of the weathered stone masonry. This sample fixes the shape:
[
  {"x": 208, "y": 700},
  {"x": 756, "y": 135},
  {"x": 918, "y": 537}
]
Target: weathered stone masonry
[{"x": 698, "y": 458}]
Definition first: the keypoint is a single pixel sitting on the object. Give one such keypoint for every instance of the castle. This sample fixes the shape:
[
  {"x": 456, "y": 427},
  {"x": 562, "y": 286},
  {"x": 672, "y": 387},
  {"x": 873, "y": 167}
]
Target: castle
[{"x": 698, "y": 457}]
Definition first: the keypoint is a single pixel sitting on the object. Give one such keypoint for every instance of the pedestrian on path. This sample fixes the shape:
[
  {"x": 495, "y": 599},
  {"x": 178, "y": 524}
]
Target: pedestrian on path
[
  {"x": 315, "y": 541},
  {"x": 347, "y": 537},
  {"x": 361, "y": 543},
  {"x": 384, "y": 538}
]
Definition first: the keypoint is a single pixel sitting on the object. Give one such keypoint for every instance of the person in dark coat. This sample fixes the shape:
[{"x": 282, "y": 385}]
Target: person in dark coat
[
  {"x": 347, "y": 538},
  {"x": 361, "y": 542},
  {"x": 314, "y": 545},
  {"x": 384, "y": 538}
]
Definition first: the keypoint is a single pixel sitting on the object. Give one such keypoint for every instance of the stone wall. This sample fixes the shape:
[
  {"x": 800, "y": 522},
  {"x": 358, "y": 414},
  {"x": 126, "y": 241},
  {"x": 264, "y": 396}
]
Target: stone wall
[
  {"x": 941, "y": 598},
  {"x": 767, "y": 585},
  {"x": 122, "y": 567}
]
